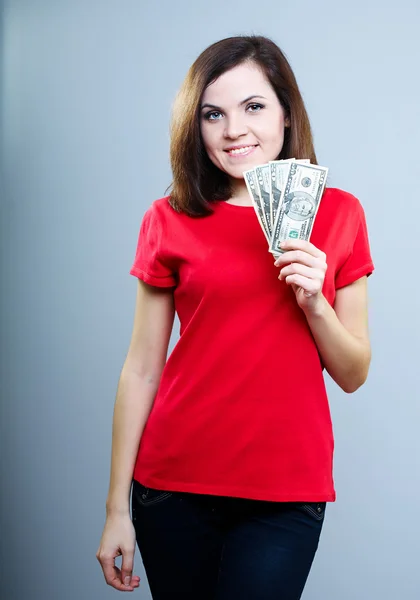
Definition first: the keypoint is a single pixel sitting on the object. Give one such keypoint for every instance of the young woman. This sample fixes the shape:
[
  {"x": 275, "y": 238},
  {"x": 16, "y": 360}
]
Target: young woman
[{"x": 229, "y": 442}]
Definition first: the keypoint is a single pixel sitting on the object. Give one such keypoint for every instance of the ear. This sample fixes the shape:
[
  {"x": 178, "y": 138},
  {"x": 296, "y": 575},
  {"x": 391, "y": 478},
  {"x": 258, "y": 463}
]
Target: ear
[{"x": 287, "y": 122}]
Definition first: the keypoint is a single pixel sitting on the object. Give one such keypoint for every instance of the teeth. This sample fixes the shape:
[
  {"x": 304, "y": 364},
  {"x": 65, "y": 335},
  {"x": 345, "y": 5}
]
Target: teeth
[{"x": 240, "y": 150}]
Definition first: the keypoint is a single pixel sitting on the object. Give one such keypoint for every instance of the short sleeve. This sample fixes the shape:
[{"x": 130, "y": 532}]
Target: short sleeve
[
  {"x": 149, "y": 264},
  {"x": 359, "y": 262}
]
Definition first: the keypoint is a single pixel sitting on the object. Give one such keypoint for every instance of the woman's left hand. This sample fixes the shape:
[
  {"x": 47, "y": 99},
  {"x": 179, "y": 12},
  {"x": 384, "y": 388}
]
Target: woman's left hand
[{"x": 303, "y": 266}]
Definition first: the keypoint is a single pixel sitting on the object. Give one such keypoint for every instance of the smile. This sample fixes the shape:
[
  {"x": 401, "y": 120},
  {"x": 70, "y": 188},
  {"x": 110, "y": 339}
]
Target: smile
[{"x": 241, "y": 151}]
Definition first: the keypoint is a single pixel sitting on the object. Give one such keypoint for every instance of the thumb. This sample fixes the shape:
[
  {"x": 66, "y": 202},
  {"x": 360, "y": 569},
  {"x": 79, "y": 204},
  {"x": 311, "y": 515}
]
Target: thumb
[{"x": 127, "y": 567}]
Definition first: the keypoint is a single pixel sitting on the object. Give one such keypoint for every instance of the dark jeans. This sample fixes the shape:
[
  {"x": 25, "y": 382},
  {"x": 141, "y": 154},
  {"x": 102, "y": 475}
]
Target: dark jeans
[{"x": 204, "y": 547}]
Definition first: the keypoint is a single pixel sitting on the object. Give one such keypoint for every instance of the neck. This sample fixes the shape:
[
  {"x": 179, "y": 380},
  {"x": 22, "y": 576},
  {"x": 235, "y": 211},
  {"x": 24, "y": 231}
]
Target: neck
[{"x": 240, "y": 194}]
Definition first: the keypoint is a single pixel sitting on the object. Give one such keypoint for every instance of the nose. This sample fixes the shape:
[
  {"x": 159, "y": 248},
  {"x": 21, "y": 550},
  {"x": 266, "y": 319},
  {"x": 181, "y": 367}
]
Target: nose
[{"x": 235, "y": 127}]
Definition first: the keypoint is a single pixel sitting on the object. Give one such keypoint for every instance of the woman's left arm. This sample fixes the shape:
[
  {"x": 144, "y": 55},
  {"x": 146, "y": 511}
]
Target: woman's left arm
[{"x": 341, "y": 333}]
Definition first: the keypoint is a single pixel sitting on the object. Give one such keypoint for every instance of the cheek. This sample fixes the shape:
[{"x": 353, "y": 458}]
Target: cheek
[
  {"x": 271, "y": 130},
  {"x": 212, "y": 147},
  {"x": 275, "y": 135},
  {"x": 280, "y": 127},
  {"x": 208, "y": 138}
]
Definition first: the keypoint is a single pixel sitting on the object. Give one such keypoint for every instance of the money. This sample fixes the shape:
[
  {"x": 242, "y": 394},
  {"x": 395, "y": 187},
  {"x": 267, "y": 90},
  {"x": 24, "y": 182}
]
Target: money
[
  {"x": 278, "y": 176},
  {"x": 262, "y": 173},
  {"x": 286, "y": 195},
  {"x": 298, "y": 204},
  {"x": 279, "y": 170},
  {"x": 252, "y": 185}
]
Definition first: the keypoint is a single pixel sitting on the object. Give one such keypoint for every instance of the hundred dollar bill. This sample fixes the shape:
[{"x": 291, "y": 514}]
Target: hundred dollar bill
[
  {"x": 252, "y": 185},
  {"x": 279, "y": 170},
  {"x": 262, "y": 173},
  {"x": 299, "y": 204}
]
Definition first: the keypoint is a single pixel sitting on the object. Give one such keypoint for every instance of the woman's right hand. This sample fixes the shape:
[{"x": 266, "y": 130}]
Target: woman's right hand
[{"x": 118, "y": 539}]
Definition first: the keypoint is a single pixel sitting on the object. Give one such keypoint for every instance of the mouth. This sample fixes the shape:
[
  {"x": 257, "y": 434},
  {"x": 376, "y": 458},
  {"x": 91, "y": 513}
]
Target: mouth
[{"x": 240, "y": 150}]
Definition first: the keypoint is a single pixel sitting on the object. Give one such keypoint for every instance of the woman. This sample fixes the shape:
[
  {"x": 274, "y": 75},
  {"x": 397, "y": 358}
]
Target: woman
[{"x": 234, "y": 468}]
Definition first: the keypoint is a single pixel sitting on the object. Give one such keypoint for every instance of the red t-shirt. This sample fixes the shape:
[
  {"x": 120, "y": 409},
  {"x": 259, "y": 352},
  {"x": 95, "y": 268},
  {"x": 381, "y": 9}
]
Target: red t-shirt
[{"x": 241, "y": 408}]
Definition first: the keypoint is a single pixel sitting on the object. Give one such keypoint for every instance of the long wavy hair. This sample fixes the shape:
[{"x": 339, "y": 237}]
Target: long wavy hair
[{"x": 197, "y": 182}]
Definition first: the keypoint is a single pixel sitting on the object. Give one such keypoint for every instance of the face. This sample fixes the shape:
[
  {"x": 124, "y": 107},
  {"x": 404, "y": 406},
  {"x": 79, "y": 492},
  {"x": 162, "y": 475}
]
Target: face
[{"x": 242, "y": 120}]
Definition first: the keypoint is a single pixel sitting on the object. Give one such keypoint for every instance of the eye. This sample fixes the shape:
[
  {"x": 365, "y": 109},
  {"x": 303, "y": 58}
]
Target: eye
[
  {"x": 257, "y": 107},
  {"x": 209, "y": 116}
]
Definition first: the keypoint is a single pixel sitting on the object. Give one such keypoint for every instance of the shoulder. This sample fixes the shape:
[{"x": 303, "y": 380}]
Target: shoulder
[
  {"x": 341, "y": 200},
  {"x": 166, "y": 223},
  {"x": 342, "y": 208},
  {"x": 162, "y": 211},
  {"x": 161, "y": 203},
  {"x": 159, "y": 207},
  {"x": 157, "y": 213},
  {"x": 338, "y": 220}
]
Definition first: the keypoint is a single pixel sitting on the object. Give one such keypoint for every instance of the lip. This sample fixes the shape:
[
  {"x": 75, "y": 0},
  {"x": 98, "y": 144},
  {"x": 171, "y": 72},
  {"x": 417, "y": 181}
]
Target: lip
[{"x": 251, "y": 147}]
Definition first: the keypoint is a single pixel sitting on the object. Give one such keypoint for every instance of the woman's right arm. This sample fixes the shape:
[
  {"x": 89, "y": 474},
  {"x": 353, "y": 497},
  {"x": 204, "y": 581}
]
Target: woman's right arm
[{"x": 137, "y": 387}]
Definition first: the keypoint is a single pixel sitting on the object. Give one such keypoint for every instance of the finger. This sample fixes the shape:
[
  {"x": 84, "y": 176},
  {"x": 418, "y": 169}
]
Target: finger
[
  {"x": 107, "y": 564},
  {"x": 117, "y": 583},
  {"x": 308, "y": 272},
  {"x": 112, "y": 574},
  {"x": 298, "y": 256},
  {"x": 309, "y": 286},
  {"x": 292, "y": 244},
  {"x": 127, "y": 567}
]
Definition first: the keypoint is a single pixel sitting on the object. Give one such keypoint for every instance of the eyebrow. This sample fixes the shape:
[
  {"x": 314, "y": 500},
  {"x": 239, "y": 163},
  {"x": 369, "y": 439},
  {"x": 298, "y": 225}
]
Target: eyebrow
[{"x": 240, "y": 104}]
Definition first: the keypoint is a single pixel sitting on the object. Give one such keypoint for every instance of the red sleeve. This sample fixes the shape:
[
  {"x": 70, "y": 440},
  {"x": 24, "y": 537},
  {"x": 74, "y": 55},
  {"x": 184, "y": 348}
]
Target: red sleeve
[
  {"x": 358, "y": 263},
  {"x": 149, "y": 265}
]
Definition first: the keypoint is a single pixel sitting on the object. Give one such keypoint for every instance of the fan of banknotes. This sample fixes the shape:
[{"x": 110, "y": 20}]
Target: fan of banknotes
[{"x": 286, "y": 195}]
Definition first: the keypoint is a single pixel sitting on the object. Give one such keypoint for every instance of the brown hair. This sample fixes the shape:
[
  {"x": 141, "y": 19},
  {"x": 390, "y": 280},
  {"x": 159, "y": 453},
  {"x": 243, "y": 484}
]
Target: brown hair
[{"x": 196, "y": 180}]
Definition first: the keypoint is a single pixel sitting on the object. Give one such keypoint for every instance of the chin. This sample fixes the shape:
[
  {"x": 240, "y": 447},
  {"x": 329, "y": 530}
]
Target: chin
[
  {"x": 237, "y": 174},
  {"x": 237, "y": 170}
]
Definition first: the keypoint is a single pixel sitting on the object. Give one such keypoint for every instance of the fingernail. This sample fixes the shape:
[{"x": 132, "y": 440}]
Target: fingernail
[{"x": 127, "y": 580}]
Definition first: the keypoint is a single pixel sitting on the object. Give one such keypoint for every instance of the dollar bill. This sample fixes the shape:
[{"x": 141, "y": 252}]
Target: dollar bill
[
  {"x": 278, "y": 175},
  {"x": 299, "y": 203},
  {"x": 252, "y": 185},
  {"x": 279, "y": 170},
  {"x": 262, "y": 173}
]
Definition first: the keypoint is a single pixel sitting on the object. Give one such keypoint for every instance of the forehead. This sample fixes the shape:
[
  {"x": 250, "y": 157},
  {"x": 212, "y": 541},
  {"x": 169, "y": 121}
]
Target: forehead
[{"x": 238, "y": 83}]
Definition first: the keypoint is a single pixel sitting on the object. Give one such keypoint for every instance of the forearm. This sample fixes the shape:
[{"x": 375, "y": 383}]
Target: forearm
[
  {"x": 134, "y": 401},
  {"x": 345, "y": 357}
]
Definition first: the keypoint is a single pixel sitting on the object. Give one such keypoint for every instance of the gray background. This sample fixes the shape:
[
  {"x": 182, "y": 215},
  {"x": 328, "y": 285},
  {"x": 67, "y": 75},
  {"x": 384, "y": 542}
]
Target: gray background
[{"x": 86, "y": 92}]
